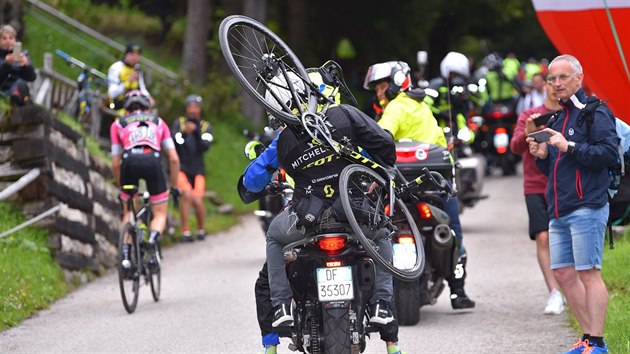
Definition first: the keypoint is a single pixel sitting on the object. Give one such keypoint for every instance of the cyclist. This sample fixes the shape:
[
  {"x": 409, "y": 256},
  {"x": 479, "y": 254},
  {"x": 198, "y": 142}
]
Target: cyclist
[
  {"x": 138, "y": 139},
  {"x": 295, "y": 154},
  {"x": 125, "y": 75},
  {"x": 406, "y": 115},
  {"x": 193, "y": 137}
]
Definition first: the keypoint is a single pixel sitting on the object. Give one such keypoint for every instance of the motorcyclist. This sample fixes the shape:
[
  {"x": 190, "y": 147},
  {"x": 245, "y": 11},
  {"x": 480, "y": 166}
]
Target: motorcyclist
[
  {"x": 454, "y": 98},
  {"x": 501, "y": 79},
  {"x": 138, "y": 139},
  {"x": 273, "y": 296},
  {"x": 406, "y": 115}
]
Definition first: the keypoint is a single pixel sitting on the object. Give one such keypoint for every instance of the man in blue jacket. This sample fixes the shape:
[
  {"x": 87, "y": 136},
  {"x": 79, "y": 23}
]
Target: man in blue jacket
[{"x": 576, "y": 159}]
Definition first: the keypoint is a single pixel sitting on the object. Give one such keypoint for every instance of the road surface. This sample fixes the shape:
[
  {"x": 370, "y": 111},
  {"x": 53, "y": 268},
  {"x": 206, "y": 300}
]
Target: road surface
[{"x": 207, "y": 302}]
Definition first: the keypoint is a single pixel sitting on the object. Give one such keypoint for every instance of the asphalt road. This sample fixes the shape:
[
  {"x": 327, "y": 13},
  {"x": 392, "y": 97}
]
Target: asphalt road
[{"x": 207, "y": 302}]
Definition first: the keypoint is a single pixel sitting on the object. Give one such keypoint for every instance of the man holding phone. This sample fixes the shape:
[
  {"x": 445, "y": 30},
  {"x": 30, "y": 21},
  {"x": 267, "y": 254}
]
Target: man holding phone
[
  {"x": 15, "y": 67},
  {"x": 193, "y": 137},
  {"x": 534, "y": 185},
  {"x": 576, "y": 160}
]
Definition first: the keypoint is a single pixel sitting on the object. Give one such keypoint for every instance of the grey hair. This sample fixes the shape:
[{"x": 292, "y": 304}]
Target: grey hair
[
  {"x": 575, "y": 64},
  {"x": 8, "y": 29}
]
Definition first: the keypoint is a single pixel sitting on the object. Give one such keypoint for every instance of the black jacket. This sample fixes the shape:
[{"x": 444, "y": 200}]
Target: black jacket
[
  {"x": 9, "y": 74},
  {"x": 191, "y": 147},
  {"x": 315, "y": 169}
]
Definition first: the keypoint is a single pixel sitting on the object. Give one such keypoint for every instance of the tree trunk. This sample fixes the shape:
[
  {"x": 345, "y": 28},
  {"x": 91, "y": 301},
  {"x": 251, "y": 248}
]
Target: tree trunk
[
  {"x": 256, "y": 9},
  {"x": 194, "y": 57}
]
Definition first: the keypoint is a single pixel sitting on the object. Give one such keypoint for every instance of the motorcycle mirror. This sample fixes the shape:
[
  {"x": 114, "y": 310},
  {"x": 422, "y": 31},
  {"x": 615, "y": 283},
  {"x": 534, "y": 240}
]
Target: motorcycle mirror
[
  {"x": 478, "y": 120},
  {"x": 422, "y": 57},
  {"x": 473, "y": 88},
  {"x": 431, "y": 92}
]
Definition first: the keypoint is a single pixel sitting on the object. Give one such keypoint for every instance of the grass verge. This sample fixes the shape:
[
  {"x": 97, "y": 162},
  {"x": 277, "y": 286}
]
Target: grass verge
[
  {"x": 615, "y": 271},
  {"x": 30, "y": 277}
]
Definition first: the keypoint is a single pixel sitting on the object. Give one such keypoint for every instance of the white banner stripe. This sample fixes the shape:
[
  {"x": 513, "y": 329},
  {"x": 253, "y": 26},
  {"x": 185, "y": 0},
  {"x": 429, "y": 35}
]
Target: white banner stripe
[{"x": 577, "y": 5}]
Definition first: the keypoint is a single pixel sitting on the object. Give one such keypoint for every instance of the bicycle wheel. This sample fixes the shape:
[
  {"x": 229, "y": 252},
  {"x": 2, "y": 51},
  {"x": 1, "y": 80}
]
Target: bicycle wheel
[
  {"x": 364, "y": 197},
  {"x": 261, "y": 61},
  {"x": 128, "y": 279},
  {"x": 155, "y": 273}
]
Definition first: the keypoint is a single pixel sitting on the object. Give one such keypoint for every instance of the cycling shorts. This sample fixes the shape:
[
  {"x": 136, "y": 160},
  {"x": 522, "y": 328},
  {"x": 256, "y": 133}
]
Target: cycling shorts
[{"x": 144, "y": 163}]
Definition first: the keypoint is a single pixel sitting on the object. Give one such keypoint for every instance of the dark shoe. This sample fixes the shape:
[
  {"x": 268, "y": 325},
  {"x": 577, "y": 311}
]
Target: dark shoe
[
  {"x": 380, "y": 313},
  {"x": 185, "y": 237},
  {"x": 282, "y": 316},
  {"x": 461, "y": 301},
  {"x": 201, "y": 235}
]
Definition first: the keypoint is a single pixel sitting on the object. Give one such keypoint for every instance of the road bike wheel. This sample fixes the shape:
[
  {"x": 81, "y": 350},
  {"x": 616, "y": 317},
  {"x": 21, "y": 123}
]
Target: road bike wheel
[
  {"x": 128, "y": 279},
  {"x": 364, "y": 197},
  {"x": 256, "y": 56},
  {"x": 155, "y": 273}
]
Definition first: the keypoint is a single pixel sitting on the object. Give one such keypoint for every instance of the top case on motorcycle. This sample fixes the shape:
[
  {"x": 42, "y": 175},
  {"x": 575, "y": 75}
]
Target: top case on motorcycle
[{"x": 412, "y": 156}]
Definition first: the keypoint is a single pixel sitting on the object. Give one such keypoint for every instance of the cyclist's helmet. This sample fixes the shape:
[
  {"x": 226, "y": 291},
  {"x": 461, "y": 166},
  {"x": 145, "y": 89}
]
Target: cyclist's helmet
[
  {"x": 455, "y": 63},
  {"x": 397, "y": 73},
  {"x": 493, "y": 62},
  {"x": 279, "y": 90},
  {"x": 136, "y": 100}
]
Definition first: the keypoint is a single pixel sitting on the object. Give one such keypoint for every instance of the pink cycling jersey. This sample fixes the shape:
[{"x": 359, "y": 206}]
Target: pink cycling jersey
[{"x": 140, "y": 130}]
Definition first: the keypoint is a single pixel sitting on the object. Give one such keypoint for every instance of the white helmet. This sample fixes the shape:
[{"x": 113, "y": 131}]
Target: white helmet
[
  {"x": 280, "y": 88},
  {"x": 455, "y": 62}
]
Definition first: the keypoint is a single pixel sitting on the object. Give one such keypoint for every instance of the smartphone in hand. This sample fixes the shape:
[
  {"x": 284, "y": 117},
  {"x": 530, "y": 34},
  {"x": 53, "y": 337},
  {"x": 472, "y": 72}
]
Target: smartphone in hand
[
  {"x": 17, "y": 48},
  {"x": 541, "y": 136},
  {"x": 543, "y": 119}
]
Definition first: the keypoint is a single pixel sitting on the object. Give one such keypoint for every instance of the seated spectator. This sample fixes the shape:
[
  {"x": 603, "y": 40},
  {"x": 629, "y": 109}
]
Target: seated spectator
[{"x": 15, "y": 67}]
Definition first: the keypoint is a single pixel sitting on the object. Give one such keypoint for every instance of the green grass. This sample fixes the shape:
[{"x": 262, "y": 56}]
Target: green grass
[
  {"x": 616, "y": 273},
  {"x": 30, "y": 278}
]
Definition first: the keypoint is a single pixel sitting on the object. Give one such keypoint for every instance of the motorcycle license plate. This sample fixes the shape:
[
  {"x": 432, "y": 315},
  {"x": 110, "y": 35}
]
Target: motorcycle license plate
[
  {"x": 335, "y": 284},
  {"x": 404, "y": 255},
  {"x": 501, "y": 140}
]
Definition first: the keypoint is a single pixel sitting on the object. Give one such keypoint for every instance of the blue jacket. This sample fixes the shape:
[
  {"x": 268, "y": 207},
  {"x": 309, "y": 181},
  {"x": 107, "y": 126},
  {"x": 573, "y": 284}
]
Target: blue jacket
[
  {"x": 580, "y": 179},
  {"x": 259, "y": 172}
]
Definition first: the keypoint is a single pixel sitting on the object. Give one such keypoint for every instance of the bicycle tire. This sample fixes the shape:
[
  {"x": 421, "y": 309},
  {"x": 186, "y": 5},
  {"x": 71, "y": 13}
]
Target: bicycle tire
[
  {"x": 128, "y": 279},
  {"x": 368, "y": 216},
  {"x": 244, "y": 42},
  {"x": 155, "y": 276}
]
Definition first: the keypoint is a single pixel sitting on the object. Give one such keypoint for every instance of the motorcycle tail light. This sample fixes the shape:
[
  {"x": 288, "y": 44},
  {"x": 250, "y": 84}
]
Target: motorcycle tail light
[
  {"x": 424, "y": 211},
  {"x": 405, "y": 153},
  {"x": 496, "y": 114},
  {"x": 333, "y": 264},
  {"x": 501, "y": 150},
  {"x": 387, "y": 209},
  {"x": 406, "y": 239},
  {"x": 332, "y": 243}
]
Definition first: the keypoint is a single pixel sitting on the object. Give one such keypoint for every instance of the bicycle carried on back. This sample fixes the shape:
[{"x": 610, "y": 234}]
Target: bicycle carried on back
[{"x": 145, "y": 258}]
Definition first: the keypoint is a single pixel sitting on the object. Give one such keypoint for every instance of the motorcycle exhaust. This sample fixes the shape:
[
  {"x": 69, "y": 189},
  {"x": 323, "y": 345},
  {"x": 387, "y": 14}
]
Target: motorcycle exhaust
[{"x": 442, "y": 236}]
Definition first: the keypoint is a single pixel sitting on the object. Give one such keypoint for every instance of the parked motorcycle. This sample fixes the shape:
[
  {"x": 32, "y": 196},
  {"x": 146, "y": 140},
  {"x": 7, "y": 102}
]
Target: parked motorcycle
[{"x": 433, "y": 223}]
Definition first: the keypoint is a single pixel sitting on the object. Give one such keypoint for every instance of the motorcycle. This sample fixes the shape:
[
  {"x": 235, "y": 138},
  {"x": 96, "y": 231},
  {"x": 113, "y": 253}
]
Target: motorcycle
[
  {"x": 332, "y": 275},
  {"x": 499, "y": 122},
  {"x": 440, "y": 245}
]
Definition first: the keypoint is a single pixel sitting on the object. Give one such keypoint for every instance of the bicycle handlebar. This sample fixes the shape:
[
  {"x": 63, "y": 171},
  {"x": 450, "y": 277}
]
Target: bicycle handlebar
[{"x": 81, "y": 65}]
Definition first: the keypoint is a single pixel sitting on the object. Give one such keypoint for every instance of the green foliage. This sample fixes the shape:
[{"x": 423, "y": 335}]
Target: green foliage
[{"x": 31, "y": 279}]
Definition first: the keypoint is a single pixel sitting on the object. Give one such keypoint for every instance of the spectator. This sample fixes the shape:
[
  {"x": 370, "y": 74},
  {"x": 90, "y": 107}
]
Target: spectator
[
  {"x": 534, "y": 95},
  {"x": 534, "y": 185},
  {"x": 15, "y": 67},
  {"x": 125, "y": 75},
  {"x": 193, "y": 137},
  {"x": 576, "y": 160}
]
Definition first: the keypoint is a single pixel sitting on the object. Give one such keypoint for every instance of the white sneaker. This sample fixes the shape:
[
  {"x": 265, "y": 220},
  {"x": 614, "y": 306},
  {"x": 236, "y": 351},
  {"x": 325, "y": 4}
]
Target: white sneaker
[
  {"x": 126, "y": 263},
  {"x": 555, "y": 303}
]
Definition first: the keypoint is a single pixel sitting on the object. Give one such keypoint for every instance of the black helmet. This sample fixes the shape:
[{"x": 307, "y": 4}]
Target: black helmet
[{"x": 135, "y": 100}]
